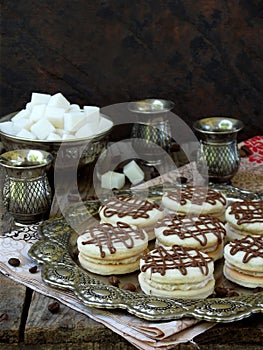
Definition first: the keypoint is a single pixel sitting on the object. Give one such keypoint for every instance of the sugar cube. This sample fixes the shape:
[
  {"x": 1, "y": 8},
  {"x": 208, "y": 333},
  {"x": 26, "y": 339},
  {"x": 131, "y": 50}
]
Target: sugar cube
[
  {"x": 92, "y": 113},
  {"x": 25, "y": 134},
  {"x": 111, "y": 179},
  {"x": 53, "y": 137},
  {"x": 20, "y": 115},
  {"x": 74, "y": 121},
  {"x": 133, "y": 172},
  {"x": 87, "y": 130},
  {"x": 42, "y": 129},
  {"x": 37, "y": 112},
  {"x": 39, "y": 98},
  {"x": 22, "y": 123},
  {"x": 7, "y": 127},
  {"x": 55, "y": 115},
  {"x": 104, "y": 124},
  {"x": 58, "y": 100}
]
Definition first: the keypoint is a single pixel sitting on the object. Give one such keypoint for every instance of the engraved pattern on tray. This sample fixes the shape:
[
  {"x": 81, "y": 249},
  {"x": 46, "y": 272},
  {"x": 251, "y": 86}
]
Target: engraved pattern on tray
[{"x": 56, "y": 250}]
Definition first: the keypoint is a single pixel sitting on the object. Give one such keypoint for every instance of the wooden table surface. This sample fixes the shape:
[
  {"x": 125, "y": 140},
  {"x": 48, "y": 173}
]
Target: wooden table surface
[{"x": 26, "y": 322}]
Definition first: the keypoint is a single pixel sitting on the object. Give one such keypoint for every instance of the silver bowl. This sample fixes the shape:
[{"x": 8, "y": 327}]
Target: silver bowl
[{"x": 84, "y": 149}]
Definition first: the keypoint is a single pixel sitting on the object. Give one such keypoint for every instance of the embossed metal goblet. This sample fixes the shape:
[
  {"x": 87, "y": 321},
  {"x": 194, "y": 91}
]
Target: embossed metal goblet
[
  {"x": 151, "y": 129},
  {"x": 218, "y": 147},
  {"x": 27, "y": 194}
]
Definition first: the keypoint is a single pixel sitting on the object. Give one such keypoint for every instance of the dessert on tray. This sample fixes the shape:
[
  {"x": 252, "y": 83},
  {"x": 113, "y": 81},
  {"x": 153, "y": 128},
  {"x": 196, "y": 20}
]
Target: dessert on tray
[
  {"x": 195, "y": 200},
  {"x": 131, "y": 210},
  {"x": 177, "y": 272},
  {"x": 106, "y": 249},
  {"x": 205, "y": 233},
  {"x": 244, "y": 218},
  {"x": 244, "y": 261}
]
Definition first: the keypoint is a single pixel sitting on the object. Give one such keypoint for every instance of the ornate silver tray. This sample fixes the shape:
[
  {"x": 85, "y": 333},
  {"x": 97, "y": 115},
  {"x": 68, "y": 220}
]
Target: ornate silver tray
[{"x": 56, "y": 251}]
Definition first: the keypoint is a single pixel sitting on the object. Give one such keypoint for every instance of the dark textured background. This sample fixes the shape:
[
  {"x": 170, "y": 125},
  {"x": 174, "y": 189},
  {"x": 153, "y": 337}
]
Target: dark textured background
[{"x": 206, "y": 56}]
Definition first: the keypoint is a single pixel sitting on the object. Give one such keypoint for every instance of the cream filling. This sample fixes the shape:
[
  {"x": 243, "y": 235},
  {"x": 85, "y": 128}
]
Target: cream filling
[
  {"x": 202, "y": 249},
  {"x": 244, "y": 272},
  {"x": 112, "y": 262},
  {"x": 179, "y": 286}
]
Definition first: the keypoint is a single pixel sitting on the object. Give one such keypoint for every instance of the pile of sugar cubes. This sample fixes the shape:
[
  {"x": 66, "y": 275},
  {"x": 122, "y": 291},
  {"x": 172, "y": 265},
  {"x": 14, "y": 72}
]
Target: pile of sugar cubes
[
  {"x": 112, "y": 179},
  {"x": 53, "y": 118}
]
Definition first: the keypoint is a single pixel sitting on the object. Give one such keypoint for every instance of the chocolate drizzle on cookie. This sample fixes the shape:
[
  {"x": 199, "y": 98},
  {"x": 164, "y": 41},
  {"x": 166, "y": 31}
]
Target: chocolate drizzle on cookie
[
  {"x": 252, "y": 246},
  {"x": 127, "y": 206},
  {"x": 247, "y": 211},
  {"x": 193, "y": 227},
  {"x": 160, "y": 260},
  {"x": 197, "y": 195},
  {"x": 105, "y": 235}
]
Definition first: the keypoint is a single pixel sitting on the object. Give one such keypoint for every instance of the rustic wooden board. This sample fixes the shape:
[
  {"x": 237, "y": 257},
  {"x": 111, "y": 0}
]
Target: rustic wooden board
[
  {"x": 67, "y": 326},
  {"x": 12, "y": 300}
]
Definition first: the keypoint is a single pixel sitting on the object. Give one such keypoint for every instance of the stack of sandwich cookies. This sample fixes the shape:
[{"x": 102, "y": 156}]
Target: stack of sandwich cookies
[
  {"x": 195, "y": 200},
  {"x": 132, "y": 210},
  {"x": 244, "y": 261},
  {"x": 177, "y": 272},
  {"x": 244, "y": 218},
  {"x": 205, "y": 233},
  {"x": 106, "y": 249}
]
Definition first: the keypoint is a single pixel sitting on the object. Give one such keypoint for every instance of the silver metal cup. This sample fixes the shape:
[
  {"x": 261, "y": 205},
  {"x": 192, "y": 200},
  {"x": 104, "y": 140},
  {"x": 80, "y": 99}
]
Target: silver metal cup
[
  {"x": 152, "y": 131},
  {"x": 218, "y": 147},
  {"x": 27, "y": 194}
]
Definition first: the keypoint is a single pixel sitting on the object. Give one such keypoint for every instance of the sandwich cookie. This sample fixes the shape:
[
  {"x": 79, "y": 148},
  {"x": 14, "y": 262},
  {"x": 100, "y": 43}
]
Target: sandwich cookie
[
  {"x": 131, "y": 210},
  {"x": 195, "y": 200},
  {"x": 205, "y": 233},
  {"x": 244, "y": 261},
  {"x": 177, "y": 272},
  {"x": 244, "y": 218},
  {"x": 106, "y": 249}
]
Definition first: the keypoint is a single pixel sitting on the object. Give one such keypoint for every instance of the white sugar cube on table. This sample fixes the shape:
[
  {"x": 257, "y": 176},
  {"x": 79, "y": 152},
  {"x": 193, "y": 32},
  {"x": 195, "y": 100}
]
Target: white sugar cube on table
[
  {"x": 111, "y": 180},
  {"x": 133, "y": 172},
  {"x": 42, "y": 129}
]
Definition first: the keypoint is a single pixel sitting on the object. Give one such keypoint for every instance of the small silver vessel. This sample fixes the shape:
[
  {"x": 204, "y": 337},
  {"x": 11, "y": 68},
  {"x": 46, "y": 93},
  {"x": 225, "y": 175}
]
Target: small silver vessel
[
  {"x": 218, "y": 147},
  {"x": 26, "y": 192}
]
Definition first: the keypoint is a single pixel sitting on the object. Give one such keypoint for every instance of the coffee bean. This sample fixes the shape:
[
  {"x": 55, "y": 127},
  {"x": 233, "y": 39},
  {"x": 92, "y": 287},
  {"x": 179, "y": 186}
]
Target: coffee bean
[
  {"x": 232, "y": 293},
  {"x": 14, "y": 262},
  {"x": 3, "y": 317},
  {"x": 114, "y": 281},
  {"x": 175, "y": 147},
  {"x": 129, "y": 286},
  {"x": 33, "y": 269},
  {"x": 182, "y": 179},
  {"x": 221, "y": 292},
  {"x": 54, "y": 307},
  {"x": 245, "y": 151}
]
